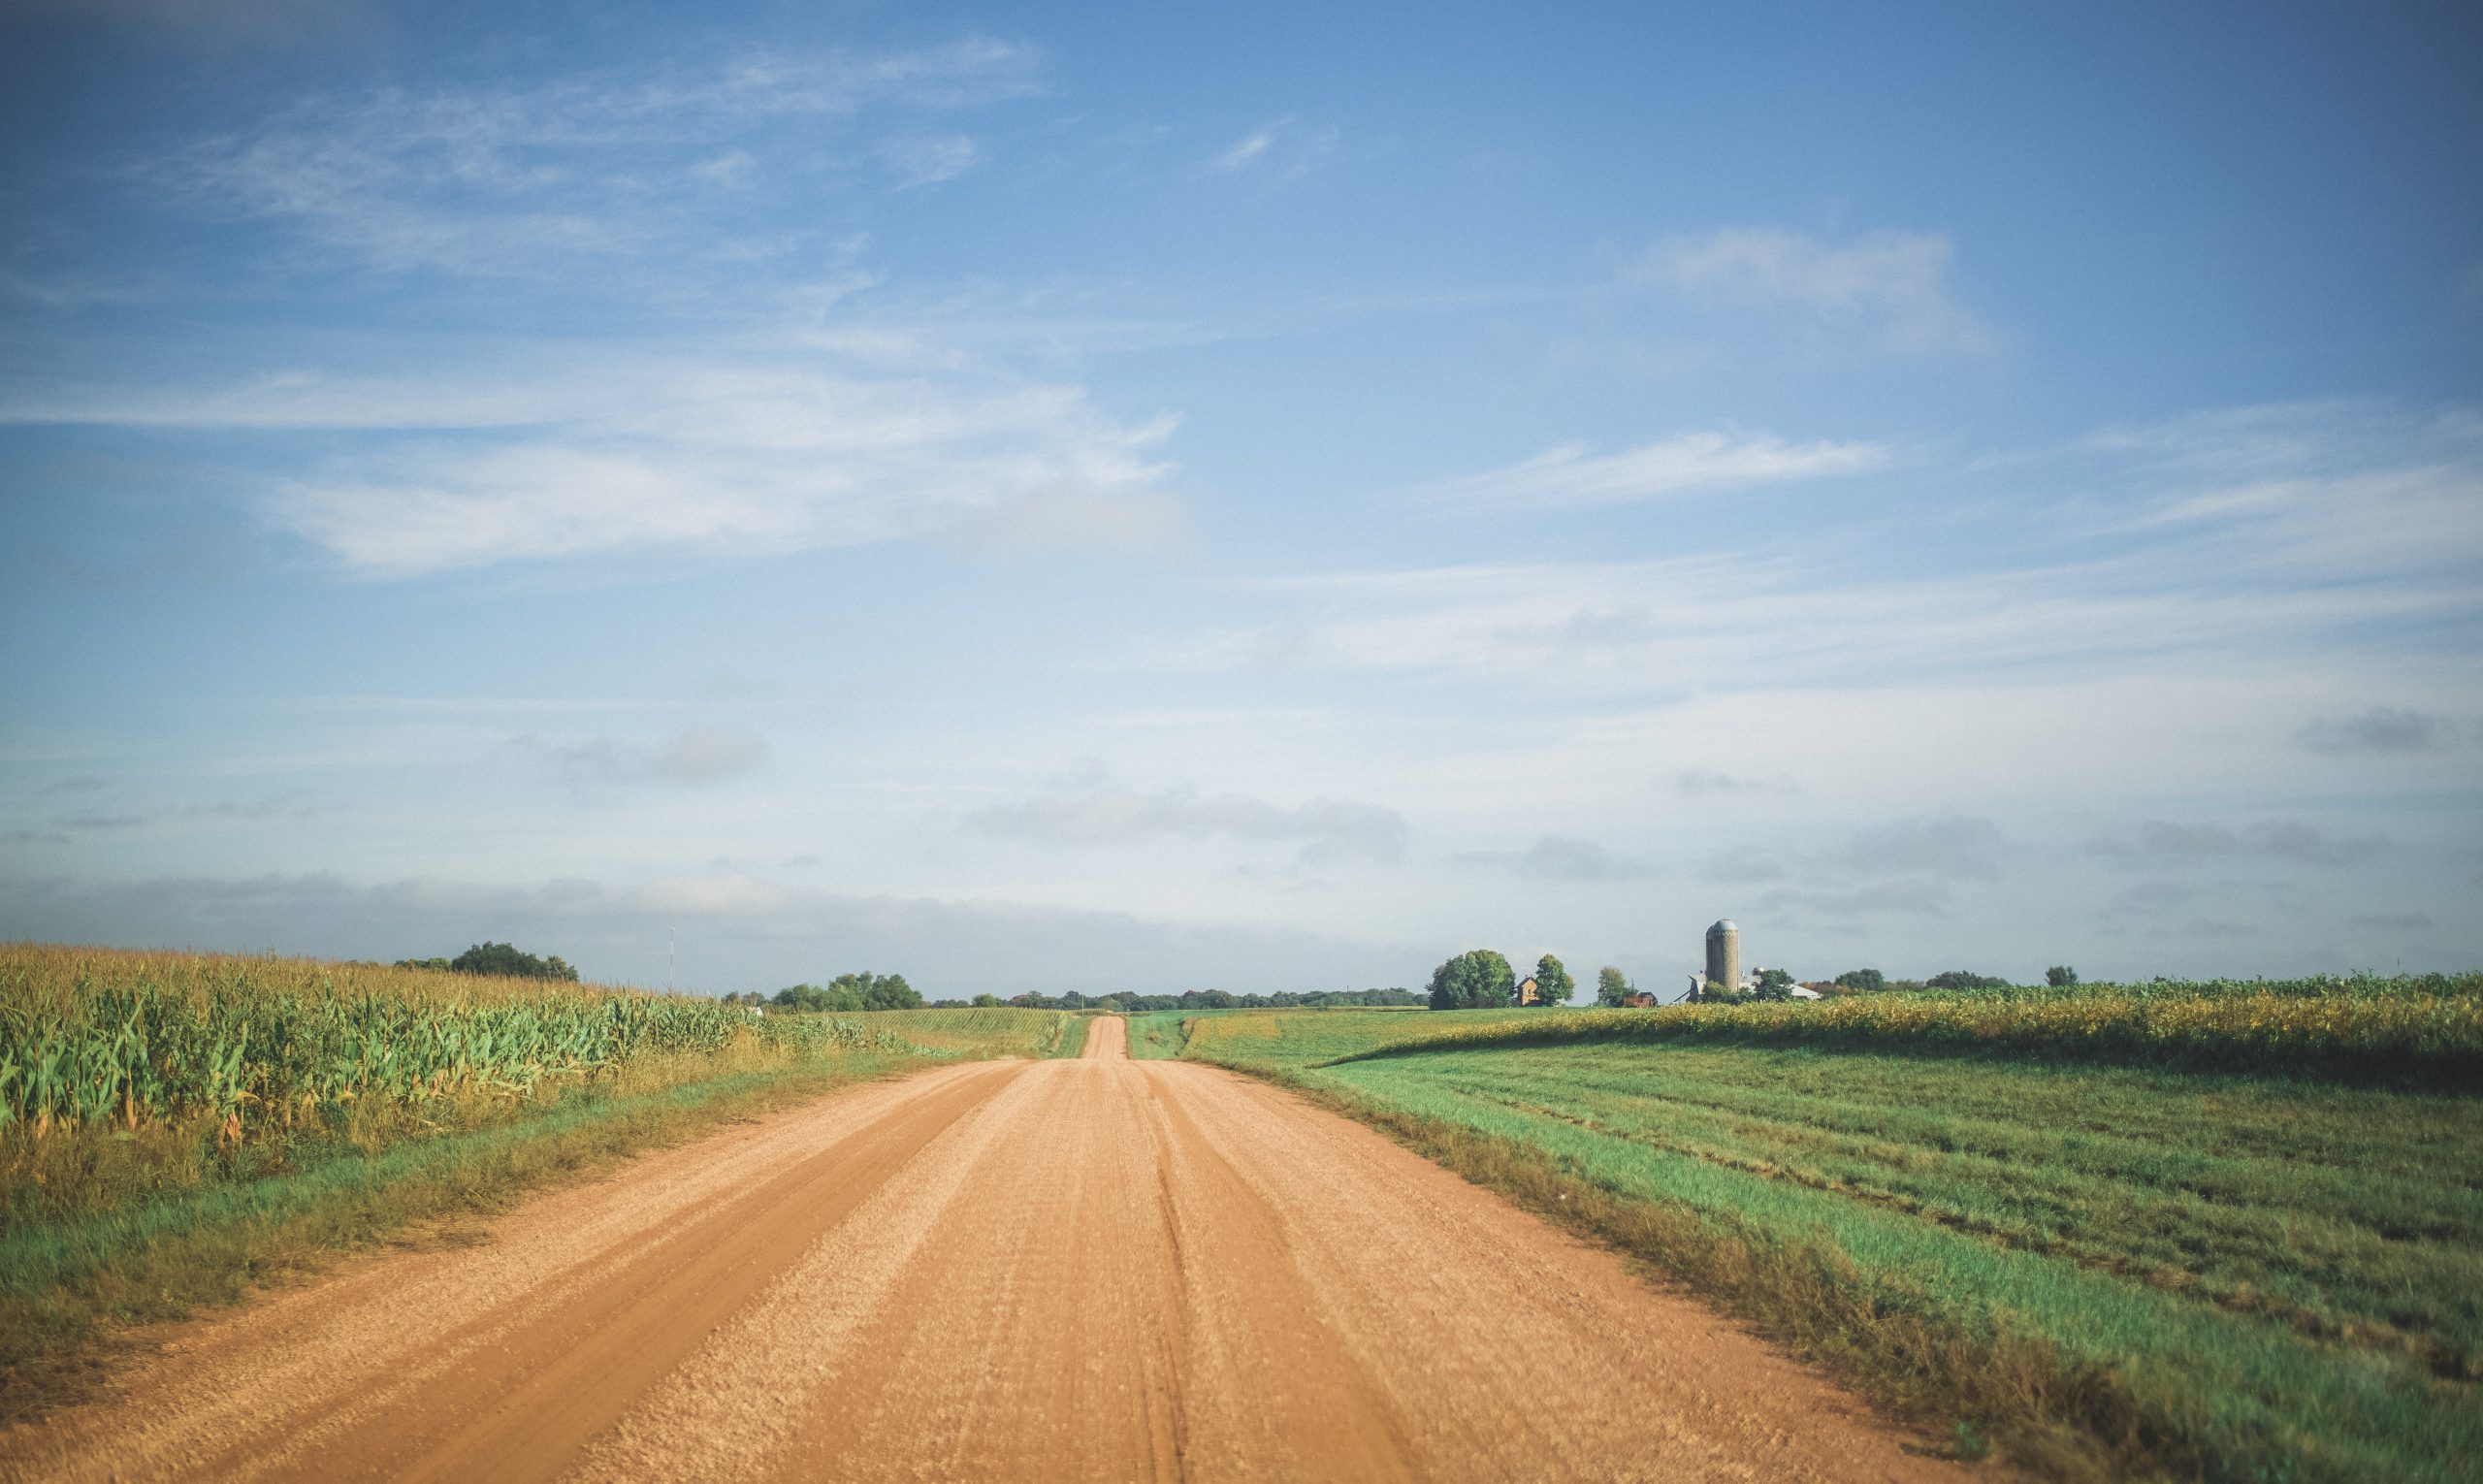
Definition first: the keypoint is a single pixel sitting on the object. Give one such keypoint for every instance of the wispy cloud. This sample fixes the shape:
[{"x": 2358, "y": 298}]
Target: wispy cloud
[
  {"x": 1901, "y": 898},
  {"x": 1280, "y": 149},
  {"x": 754, "y": 448},
  {"x": 2379, "y": 731},
  {"x": 2384, "y": 533},
  {"x": 1890, "y": 288},
  {"x": 1085, "y": 517},
  {"x": 2155, "y": 841},
  {"x": 1560, "y": 858},
  {"x": 1690, "y": 462},
  {"x": 1701, "y": 783},
  {"x": 524, "y": 181},
  {"x": 1325, "y": 829},
  {"x": 917, "y": 160},
  {"x": 1251, "y": 148},
  {"x": 692, "y": 756},
  {"x": 1954, "y": 845}
]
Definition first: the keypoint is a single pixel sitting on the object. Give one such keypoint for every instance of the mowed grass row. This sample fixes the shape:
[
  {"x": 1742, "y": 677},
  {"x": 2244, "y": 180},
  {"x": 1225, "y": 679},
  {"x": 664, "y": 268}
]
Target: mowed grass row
[
  {"x": 176, "y": 1128},
  {"x": 2108, "y": 1270}
]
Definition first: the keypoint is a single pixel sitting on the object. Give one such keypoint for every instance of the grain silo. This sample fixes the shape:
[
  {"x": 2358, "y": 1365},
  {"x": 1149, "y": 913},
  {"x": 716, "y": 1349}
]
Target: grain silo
[{"x": 1724, "y": 956}]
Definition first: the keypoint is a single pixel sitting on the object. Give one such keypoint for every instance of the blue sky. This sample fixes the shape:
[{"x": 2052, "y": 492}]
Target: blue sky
[{"x": 1074, "y": 497}]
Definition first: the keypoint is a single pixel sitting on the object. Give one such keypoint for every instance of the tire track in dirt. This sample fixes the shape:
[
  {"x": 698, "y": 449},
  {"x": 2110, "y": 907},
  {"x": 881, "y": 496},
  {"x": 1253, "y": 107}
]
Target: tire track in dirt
[{"x": 1067, "y": 1270}]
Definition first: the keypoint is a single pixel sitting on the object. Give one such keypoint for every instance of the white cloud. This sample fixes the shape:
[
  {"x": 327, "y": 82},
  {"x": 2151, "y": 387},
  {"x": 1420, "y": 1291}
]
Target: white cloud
[
  {"x": 918, "y": 161},
  {"x": 1086, "y": 517},
  {"x": 1281, "y": 150},
  {"x": 1952, "y": 845},
  {"x": 1560, "y": 858},
  {"x": 2387, "y": 533},
  {"x": 708, "y": 753},
  {"x": 2379, "y": 731},
  {"x": 1326, "y": 829},
  {"x": 606, "y": 450},
  {"x": 692, "y": 756},
  {"x": 1697, "y": 782},
  {"x": 1250, "y": 146},
  {"x": 525, "y": 182},
  {"x": 1569, "y": 475},
  {"x": 2155, "y": 841},
  {"x": 1904, "y": 898},
  {"x": 1889, "y": 287}
]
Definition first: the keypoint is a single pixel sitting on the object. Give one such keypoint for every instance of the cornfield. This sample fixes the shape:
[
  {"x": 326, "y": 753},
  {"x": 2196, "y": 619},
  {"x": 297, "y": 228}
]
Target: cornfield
[
  {"x": 2430, "y": 1029},
  {"x": 93, "y": 1037}
]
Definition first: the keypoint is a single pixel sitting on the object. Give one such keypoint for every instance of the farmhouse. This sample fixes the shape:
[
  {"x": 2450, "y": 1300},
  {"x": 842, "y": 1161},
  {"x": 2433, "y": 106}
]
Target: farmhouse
[
  {"x": 1639, "y": 998},
  {"x": 1528, "y": 992}
]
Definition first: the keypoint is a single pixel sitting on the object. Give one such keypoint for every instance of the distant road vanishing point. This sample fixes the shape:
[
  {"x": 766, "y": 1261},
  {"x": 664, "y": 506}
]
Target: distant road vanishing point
[{"x": 1099, "y": 1269}]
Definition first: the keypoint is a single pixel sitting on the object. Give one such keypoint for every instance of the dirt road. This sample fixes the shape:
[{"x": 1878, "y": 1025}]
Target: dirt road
[{"x": 1099, "y": 1269}]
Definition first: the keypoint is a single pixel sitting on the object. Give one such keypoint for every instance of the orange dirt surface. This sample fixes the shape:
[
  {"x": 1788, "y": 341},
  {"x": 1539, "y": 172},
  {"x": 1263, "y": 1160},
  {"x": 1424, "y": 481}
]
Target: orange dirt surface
[{"x": 1093, "y": 1269}]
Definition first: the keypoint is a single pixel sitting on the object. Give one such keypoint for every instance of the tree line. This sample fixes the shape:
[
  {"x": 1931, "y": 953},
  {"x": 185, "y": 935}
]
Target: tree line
[
  {"x": 862, "y": 991},
  {"x": 1481, "y": 979},
  {"x": 500, "y": 960},
  {"x": 1126, "y": 1001}
]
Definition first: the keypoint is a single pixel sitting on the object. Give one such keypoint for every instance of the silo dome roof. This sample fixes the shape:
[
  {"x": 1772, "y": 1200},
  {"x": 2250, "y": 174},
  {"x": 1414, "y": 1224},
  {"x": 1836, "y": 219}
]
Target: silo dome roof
[{"x": 1723, "y": 925}]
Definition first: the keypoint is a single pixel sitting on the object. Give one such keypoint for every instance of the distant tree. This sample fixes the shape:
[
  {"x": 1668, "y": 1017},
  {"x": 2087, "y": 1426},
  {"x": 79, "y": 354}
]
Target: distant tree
[
  {"x": 1965, "y": 978},
  {"x": 1476, "y": 979},
  {"x": 987, "y": 1001},
  {"x": 1611, "y": 988},
  {"x": 1773, "y": 984},
  {"x": 849, "y": 993},
  {"x": 1553, "y": 984},
  {"x": 505, "y": 963},
  {"x": 1863, "y": 981},
  {"x": 440, "y": 964},
  {"x": 885, "y": 991},
  {"x": 2060, "y": 976}
]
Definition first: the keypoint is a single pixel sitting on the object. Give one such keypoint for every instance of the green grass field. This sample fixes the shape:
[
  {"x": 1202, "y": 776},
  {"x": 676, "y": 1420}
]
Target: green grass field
[
  {"x": 2106, "y": 1267},
  {"x": 176, "y": 1128}
]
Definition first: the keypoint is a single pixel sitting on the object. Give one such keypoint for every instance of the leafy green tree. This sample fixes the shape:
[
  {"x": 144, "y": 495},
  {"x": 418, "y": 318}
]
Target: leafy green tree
[
  {"x": 1965, "y": 978},
  {"x": 987, "y": 1001},
  {"x": 1611, "y": 988},
  {"x": 2060, "y": 976},
  {"x": 506, "y": 962},
  {"x": 1552, "y": 981},
  {"x": 1477, "y": 980},
  {"x": 1863, "y": 981},
  {"x": 848, "y": 992},
  {"x": 1773, "y": 984}
]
